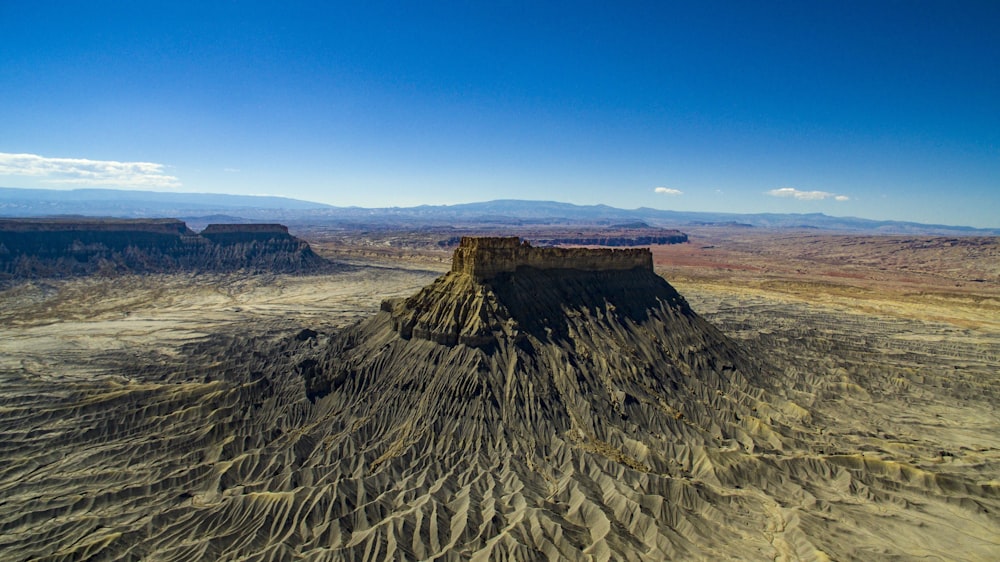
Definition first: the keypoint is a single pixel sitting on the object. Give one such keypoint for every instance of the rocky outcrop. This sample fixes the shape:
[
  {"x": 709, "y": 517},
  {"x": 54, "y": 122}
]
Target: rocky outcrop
[
  {"x": 484, "y": 258},
  {"x": 500, "y": 287},
  {"x": 528, "y": 306},
  {"x": 33, "y": 248}
]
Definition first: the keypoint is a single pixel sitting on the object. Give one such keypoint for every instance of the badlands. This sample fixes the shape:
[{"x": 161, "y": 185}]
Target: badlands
[{"x": 727, "y": 398}]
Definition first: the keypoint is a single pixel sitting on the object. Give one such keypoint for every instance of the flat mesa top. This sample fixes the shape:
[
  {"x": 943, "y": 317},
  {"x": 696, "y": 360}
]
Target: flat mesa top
[
  {"x": 241, "y": 228},
  {"x": 97, "y": 224},
  {"x": 485, "y": 257}
]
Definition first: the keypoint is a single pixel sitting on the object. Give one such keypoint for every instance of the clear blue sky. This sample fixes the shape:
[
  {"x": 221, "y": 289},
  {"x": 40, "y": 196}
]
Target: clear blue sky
[{"x": 878, "y": 109}]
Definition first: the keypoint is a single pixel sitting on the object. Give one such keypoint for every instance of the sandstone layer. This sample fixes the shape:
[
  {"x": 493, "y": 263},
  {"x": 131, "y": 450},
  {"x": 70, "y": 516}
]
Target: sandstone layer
[{"x": 485, "y": 258}]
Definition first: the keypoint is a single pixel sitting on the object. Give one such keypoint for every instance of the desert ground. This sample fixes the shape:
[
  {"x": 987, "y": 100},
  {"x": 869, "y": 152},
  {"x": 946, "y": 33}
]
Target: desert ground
[{"x": 122, "y": 398}]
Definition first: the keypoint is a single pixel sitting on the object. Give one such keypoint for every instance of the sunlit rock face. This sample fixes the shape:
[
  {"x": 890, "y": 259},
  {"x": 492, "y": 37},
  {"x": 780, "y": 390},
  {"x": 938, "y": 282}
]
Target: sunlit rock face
[
  {"x": 484, "y": 258},
  {"x": 501, "y": 288}
]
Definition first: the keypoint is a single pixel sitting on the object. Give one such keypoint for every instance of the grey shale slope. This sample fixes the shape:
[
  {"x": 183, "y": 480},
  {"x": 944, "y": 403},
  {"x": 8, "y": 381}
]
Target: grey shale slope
[{"x": 530, "y": 404}]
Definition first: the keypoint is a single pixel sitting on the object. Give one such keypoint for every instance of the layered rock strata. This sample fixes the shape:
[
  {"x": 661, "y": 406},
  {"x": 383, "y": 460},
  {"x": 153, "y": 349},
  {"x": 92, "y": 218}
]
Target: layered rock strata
[
  {"x": 33, "y": 248},
  {"x": 484, "y": 258},
  {"x": 493, "y": 290}
]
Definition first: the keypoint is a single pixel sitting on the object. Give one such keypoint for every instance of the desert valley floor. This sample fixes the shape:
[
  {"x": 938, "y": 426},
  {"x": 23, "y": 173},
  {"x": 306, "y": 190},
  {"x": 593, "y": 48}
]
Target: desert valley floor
[{"x": 162, "y": 418}]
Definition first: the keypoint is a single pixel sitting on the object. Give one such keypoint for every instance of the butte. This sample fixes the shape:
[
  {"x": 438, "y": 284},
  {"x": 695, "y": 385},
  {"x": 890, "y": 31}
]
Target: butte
[{"x": 542, "y": 402}]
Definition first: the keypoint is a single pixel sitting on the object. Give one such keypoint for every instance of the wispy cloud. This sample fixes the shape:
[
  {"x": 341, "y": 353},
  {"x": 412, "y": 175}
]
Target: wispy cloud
[
  {"x": 806, "y": 195},
  {"x": 668, "y": 191},
  {"x": 81, "y": 171}
]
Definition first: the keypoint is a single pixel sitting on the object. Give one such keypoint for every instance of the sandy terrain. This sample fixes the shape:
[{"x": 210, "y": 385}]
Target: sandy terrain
[
  {"x": 954, "y": 280},
  {"x": 135, "y": 424},
  {"x": 72, "y": 321}
]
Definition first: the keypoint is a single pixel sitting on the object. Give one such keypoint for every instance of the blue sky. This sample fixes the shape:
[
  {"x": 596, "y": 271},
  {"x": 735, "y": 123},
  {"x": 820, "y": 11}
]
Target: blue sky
[{"x": 879, "y": 109}]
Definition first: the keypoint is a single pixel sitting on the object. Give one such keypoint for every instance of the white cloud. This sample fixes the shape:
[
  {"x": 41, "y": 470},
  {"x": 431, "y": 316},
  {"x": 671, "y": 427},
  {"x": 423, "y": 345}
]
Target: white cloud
[
  {"x": 668, "y": 191},
  {"x": 81, "y": 171},
  {"x": 806, "y": 195}
]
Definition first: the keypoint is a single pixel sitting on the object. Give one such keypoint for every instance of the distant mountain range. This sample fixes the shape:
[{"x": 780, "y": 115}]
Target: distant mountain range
[
  {"x": 139, "y": 204},
  {"x": 218, "y": 208}
]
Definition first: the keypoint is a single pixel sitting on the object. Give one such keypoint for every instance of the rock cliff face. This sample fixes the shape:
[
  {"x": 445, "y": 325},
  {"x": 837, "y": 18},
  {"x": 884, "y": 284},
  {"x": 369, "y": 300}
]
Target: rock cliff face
[
  {"x": 498, "y": 287},
  {"x": 484, "y": 258},
  {"x": 32, "y": 248}
]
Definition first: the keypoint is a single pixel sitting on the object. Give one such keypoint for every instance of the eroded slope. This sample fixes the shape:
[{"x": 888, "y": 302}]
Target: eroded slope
[{"x": 592, "y": 415}]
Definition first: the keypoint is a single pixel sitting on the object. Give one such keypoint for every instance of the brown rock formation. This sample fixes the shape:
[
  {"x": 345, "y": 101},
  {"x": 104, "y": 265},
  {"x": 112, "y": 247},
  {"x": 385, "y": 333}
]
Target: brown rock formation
[
  {"x": 484, "y": 258},
  {"x": 493, "y": 290}
]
